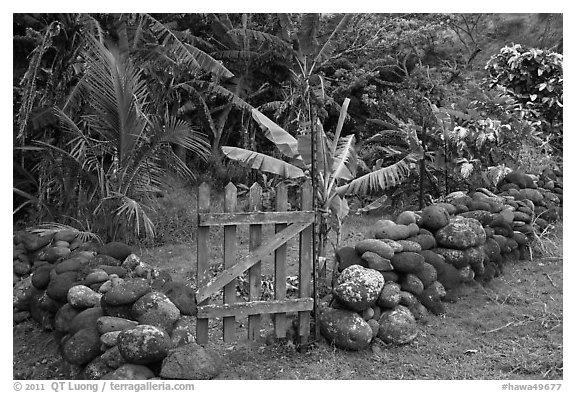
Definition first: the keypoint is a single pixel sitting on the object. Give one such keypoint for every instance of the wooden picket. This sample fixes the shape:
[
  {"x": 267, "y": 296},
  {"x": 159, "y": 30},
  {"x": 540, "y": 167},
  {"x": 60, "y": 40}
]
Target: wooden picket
[{"x": 288, "y": 224}]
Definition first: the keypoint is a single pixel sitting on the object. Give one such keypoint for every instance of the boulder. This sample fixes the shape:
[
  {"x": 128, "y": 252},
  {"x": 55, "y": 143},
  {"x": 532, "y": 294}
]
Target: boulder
[
  {"x": 96, "y": 369},
  {"x": 184, "y": 331},
  {"x": 22, "y": 294},
  {"x": 33, "y": 242},
  {"x": 387, "y": 229},
  {"x": 113, "y": 358},
  {"x": 410, "y": 246},
  {"x": 64, "y": 317},
  {"x": 406, "y": 218},
  {"x": 80, "y": 296},
  {"x": 407, "y": 262},
  {"x": 426, "y": 241},
  {"x": 434, "y": 217},
  {"x": 116, "y": 250},
  {"x": 106, "y": 324},
  {"x": 41, "y": 276},
  {"x": 52, "y": 254},
  {"x": 191, "y": 362},
  {"x": 461, "y": 233},
  {"x": 127, "y": 292},
  {"x": 67, "y": 235},
  {"x": 389, "y": 296},
  {"x": 156, "y": 301},
  {"x": 411, "y": 283},
  {"x": 376, "y": 246},
  {"x": 345, "y": 329},
  {"x": 144, "y": 344},
  {"x": 397, "y": 326},
  {"x": 82, "y": 347},
  {"x": 74, "y": 264},
  {"x": 130, "y": 372},
  {"x": 85, "y": 319},
  {"x": 110, "y": 339},
  {"x": 347, "y": 256},
  {"x": 427, "y": 274},
  {"x": 358, "y": 288},
  {"x": 183, "y": 297},
  {"x": 376, "y": 262},
  {"x": 60, "y": 284}
]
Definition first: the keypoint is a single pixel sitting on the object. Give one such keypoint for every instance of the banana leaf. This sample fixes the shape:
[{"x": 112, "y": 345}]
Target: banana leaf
[{"x": 262, "y": 162}]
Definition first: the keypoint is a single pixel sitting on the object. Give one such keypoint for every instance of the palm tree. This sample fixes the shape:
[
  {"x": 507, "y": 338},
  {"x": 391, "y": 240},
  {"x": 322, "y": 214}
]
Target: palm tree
[{"x": 119, "y": 148}]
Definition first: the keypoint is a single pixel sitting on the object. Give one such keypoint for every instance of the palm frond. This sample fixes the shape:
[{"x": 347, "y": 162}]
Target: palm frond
[
  {"x": 50, "y": 228},
  {"x": 133, "y": 212},
  {"x": 381, "y": 179}
]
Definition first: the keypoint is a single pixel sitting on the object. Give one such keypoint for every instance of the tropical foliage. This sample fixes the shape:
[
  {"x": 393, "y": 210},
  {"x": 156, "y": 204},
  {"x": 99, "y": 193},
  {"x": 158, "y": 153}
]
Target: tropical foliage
[{"x": 385, "y": 107}]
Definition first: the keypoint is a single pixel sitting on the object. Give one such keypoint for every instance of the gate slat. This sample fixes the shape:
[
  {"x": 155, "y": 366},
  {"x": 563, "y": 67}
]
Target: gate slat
[
  {"x": 202, "y": 260},
  {"x": 256, "y": 307},
  {"x": 252, "y": 258},
  {"x": 280, "y": 263},
  {"x": 305, "y": 270},
  {"x": 229, "y": 327},
  {"x": 254, "y": 274}
]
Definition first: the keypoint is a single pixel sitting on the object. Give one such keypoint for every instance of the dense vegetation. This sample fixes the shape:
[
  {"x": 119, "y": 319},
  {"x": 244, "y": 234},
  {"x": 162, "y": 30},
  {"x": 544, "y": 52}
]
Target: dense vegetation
[{"x": 108, "y": 108}]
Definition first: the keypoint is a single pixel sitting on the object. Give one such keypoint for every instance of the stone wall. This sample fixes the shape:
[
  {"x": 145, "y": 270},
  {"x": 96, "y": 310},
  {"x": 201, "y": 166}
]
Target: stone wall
[{"x": 409, "y": 267}]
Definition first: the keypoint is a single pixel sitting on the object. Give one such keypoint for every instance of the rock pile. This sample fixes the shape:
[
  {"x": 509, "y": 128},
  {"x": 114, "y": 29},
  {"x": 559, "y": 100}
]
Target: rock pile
[
  {"x": 115, "y": 316},
  {"x": 408, "y": 267}
]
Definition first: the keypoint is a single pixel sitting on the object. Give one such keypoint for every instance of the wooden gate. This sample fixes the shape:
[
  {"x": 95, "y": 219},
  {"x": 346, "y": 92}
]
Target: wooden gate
[{"x": 288, "y": 224}]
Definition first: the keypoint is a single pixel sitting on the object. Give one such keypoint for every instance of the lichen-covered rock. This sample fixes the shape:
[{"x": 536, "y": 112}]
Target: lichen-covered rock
[
  {"x": 434, "y": 217},
  {"x": 411, "y": 283},
  {"x": 127, "y": 292},
  {"x": 82, "y": 347},
  {"x": 144, "y": 344},
  {"x": 184, "y": 331},
  {"x": 80, "y": 296},
  {"x": 358, "y": 288},
  {"x": 191, "y": 362},
  {"x": 407, "y": 262},
  {"x": 397, "y": 326},
  {"x": 376, "y": 262},
  {"x": 376, "y": 246},
  {"x": 408, "y": 299},
  {"x": 389, "y": 296},
  {"x": 345, "y": 329},
  {"x": 461, "y": 233},
  {"x": 113, "y": 358},
  {"x": 454, "y": 257},
  {"x": 110, "y": 339},
  {"x": 155, "y": 301}
]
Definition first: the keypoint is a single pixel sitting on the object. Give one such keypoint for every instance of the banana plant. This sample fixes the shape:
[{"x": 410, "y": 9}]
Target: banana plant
[{"x": 335, "y": 169}]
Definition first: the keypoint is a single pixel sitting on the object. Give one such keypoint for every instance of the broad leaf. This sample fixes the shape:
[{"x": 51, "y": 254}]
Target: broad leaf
[
  {"x": 339, "y": 205},
  {"x": 381, "y": 179},
  {"x": 286, "y": 143},
  {"x": 262, "y": 162},
  {"x": 377, "y": 204}
]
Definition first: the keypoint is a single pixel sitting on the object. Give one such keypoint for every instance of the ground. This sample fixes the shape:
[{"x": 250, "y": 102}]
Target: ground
[{"x": 511, "y": 328}]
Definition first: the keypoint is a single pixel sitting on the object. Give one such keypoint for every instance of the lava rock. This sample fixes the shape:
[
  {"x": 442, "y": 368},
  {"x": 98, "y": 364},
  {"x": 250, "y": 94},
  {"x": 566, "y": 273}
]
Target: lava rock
[
  {"x": 407, "y": 262},
  {"x": 376, "y": 246},
  {"x": 82, "y": 347},
  {"x": 376, "y": 262},
  {"x": 345, "y": 329},
  {"x": 96, "y": 369},
  {"x": 130, "y": 372},
  {"x": 41, "y": 276},
  {"x": 22, "y": 294},
  {"x": 113, "y": 358},
  {"x": 389, "y": 296},
  {"x": 358, "y": 288},
  {"x": 127, "y": 292},
  {"x": 411, "y": 283},
  {"x": 106, "y": 324},
  {"x": 156, "y": 301},
  {"x": 116, "y": 250},
  {"x": 347, "y": 256},
  {"x": 461, "y": 233},
  {"x": 397, "y": 326},
  {"x": 410, "y": 246},
  {"x": 434, "y": 217},
  {"x": 191, "y": 361},
  {"x": 80, "y": 296},
  {"x": 60, "y": 285},
  {"x": 144, "y": 344}
]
